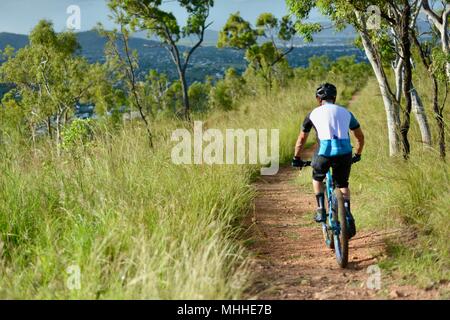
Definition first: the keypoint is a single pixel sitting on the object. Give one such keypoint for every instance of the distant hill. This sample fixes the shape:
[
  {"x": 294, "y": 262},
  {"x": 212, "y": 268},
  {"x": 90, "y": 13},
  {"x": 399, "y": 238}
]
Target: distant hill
[
  {"x": 326, "y": 36},
  {"x": 210, "y": 39},
  {"x": 91, "y": 42},
  {"x": 15, "y": 40},
  {"x": 207, "y": 61},
  {"x": 93, "y": 45}
]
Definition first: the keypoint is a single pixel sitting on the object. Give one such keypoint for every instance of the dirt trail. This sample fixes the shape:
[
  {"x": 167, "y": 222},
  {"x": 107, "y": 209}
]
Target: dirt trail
[{"x": 292, "y": 261}]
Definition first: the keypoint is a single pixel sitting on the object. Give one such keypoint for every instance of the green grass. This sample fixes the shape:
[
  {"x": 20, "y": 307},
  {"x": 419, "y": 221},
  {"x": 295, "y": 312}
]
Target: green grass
[
  {"x": 138, "y": 226},
  {"x": 393, "y": 194},
  {"x": 413, "y": 196}
]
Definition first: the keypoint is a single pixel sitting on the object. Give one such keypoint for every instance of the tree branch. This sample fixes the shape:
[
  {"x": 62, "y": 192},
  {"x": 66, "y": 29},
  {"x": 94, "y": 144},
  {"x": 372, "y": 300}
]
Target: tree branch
[
  {"x": 196, "y": 46},
  {"x": 281, "y": 57},
  {"x": 431, "y": 14}
]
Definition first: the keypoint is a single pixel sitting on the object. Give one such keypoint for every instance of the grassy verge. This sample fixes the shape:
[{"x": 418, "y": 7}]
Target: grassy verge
[
  {"x": 130, "y": 221},
  {"x": 408, "y": 195},
  {"x": 138, "y": 226}
]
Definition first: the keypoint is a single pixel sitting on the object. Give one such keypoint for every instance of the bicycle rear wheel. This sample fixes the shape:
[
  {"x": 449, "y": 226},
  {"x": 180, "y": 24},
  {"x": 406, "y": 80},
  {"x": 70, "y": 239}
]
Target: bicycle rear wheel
[{"x": 341, "y": 234}]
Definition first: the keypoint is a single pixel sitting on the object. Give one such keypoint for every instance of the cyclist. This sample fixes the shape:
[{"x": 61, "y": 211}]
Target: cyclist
[{"x": 332, "y": 124}]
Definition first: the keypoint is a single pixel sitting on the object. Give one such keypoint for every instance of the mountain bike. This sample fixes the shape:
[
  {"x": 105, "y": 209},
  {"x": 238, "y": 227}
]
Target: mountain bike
[{"x": 334, "y": 232}]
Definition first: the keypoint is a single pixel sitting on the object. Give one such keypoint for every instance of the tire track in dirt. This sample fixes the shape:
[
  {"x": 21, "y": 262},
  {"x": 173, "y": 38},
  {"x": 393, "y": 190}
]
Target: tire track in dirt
[{"x": 292, "y": 261}]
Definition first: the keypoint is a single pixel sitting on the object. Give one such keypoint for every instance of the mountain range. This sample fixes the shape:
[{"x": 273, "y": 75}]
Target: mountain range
[
  {"x": 208, "y": 60},
  {"x": 326, "y": 36}
]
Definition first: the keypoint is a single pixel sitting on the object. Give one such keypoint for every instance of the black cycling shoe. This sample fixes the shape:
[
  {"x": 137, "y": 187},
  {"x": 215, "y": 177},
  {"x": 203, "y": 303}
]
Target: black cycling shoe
[
  {"x": 321, "y": 215},
  {"x": 351, "y": 226}
]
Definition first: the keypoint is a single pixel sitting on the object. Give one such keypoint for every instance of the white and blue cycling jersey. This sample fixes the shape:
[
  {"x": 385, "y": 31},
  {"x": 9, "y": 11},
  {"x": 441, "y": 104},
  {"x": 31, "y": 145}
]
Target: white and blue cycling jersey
[{"x": 332, "y": 123}]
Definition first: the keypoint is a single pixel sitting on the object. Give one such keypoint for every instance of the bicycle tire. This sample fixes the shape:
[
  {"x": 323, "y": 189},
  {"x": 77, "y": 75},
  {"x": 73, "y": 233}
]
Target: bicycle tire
[
  {"x": 341, "y": 239},
  {"x": 326, "y": 228}
]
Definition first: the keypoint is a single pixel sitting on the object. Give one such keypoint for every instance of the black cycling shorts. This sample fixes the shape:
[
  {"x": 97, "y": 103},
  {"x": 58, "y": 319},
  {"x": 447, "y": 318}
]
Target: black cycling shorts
[{"x": 341, "y": 168}]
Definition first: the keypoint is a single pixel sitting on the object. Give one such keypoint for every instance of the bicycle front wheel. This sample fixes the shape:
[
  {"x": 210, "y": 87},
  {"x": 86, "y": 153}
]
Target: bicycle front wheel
[{"x": 340, "y": 232}]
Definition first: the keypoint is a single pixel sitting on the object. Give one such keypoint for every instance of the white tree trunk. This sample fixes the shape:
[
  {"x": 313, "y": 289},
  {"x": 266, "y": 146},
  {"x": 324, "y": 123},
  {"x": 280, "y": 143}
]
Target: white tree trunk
[
  {"x": 445, "y": 46},
  {"x": 391, "y": 109},
  {"x": 421, "y": 117},
  {"x": 441, "y": 23},
  {"x": 58, "y": 134},
  {"x": 392, "y": 112},
  {"x": 417, "y": 105},
  {"x": 398, "y": 72},
  {"x": 445, "y": 42}
]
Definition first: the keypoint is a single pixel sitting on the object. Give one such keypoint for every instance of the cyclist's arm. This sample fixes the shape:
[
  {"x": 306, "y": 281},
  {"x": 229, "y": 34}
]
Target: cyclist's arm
[
  {"x": 303, "y": 136},
  {"x": 300, "y": 145},
  {"x": 355, "y": 127},
  {"x": 359, "y": 135}
]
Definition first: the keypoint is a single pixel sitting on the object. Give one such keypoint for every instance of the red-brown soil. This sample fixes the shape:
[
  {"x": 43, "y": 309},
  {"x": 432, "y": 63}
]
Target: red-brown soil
[{"x": 292, "y": 261}]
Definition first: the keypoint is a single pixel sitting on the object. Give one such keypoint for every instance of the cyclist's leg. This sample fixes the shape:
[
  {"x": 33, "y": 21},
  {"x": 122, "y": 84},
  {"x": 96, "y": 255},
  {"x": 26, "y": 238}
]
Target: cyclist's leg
[
  {"x": 320, "y": 166},
  {"x": 341, "y": 173}
]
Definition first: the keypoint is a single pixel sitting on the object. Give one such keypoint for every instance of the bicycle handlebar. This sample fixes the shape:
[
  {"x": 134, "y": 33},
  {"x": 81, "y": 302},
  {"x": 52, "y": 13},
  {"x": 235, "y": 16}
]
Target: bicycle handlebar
[{"x": 308, "y": 164}]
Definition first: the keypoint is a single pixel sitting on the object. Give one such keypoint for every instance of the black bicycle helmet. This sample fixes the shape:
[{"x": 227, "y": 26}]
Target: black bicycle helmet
[{"x": 326, "y": 91}]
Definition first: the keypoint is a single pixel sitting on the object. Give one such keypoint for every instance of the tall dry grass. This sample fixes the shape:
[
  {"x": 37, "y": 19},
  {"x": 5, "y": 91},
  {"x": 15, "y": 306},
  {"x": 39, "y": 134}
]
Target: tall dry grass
[
  {"x": 138, "y": 226},
  {"x": 135, "y": 224}
]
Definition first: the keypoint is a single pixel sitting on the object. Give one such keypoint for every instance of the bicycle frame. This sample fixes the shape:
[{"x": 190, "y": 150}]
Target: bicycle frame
[
  {"x": 329, "y": 186},
  {"x": 330, "y": 228}
]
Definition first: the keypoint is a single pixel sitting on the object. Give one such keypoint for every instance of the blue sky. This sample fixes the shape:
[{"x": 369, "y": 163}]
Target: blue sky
[{"x": 19, "y": 16}]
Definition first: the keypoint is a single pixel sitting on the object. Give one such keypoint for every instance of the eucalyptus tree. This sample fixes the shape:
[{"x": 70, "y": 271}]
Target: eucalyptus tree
[
  {"x": 279, "y": 40},
  {"x": 149, "y": 15},
  {"x": 439, "y": 15},
  {"x": 122, "y": 64},
  {"x": 371, "y": 19},
  {"x": 401, "y": 17},
  {"x": 50, "y": 77},
  {"x": 394, "y": 34},
  {"x": 435, "y": 62},
  {"x": 157, "y": 86}
]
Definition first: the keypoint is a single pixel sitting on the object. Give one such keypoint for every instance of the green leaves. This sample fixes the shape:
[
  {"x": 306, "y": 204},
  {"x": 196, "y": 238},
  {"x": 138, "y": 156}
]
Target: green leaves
[
  {"x": 7, "y": 53},
  {"x": 76, "y": 136},
  {"x": 237, "y": 33},
  {"x": 439, "y": 64},
  {"x": 262, "y": 56},
  {"x": 148, "y": 15},
  {"x": 198, "y": 11},
  {"x": 44, "y": 34},
  {"x": 266, "y": 21},
  {"x": 307, "y": 30},
  {"x": 50, "y": 77},
  {"x": 227, "y": 92},
  {"x": 286, "y": 29}
]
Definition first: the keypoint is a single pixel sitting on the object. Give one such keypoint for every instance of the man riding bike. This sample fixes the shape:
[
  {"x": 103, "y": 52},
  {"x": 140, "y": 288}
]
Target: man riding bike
[{"x": 332, "y": 124}]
